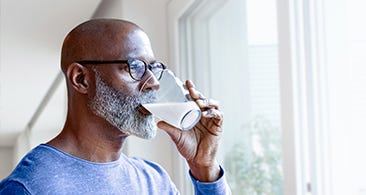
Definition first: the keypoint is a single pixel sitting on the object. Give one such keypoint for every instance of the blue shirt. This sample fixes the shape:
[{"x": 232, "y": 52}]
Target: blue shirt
[{"x": 47, "y": 170}]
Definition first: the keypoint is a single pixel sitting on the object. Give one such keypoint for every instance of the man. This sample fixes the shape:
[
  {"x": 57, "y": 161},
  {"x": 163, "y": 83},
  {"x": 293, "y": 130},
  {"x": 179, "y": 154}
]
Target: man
[{"x": 110, "y": 71}]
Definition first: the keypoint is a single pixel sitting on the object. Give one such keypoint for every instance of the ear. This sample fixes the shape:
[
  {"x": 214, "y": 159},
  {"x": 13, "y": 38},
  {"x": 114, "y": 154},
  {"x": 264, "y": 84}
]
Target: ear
[{"x": 79, "y": 77}]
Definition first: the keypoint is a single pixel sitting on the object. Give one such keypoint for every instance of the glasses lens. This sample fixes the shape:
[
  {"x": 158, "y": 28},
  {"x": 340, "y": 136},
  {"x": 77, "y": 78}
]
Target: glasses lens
[
  {"x": 137, "y": 68},
  {"x": 157, "y": 69}
]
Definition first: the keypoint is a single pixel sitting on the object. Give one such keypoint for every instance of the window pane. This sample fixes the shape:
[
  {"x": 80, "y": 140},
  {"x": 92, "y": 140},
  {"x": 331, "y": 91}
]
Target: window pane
[{"x": 242, "y": 73}]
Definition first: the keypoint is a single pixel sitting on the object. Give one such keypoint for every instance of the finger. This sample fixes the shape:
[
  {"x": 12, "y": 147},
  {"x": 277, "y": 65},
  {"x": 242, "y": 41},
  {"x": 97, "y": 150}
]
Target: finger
[
  {"x": 172, "y": 131},
  {"x": 190, "y": 84},
  {"x": 193, "y": 92},
  {"x": 207, "y": 103},
  {"x": 214, "y": 114}
]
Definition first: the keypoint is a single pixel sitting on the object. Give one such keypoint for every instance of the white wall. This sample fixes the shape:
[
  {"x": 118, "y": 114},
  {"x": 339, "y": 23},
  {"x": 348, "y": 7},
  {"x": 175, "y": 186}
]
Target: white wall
[{"x": 6, "y": 163}]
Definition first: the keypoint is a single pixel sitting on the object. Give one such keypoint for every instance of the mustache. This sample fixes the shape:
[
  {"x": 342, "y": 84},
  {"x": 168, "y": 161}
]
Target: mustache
[{"x": 147, "y": 97}]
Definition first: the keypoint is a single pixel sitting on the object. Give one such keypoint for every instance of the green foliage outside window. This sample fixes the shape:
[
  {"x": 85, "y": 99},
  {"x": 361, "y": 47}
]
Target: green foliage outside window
[{"x": 254, "y": 164}]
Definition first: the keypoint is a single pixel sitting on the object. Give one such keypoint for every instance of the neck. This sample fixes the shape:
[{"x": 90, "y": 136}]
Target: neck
[{"x": 93, "y": 140}]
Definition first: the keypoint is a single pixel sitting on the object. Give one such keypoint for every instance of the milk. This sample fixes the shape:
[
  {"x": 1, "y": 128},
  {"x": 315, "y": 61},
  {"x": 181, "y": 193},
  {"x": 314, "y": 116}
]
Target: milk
[{"x": 183, "y": 115}]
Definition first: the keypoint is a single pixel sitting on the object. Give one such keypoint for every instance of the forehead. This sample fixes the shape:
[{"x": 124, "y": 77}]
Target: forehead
[{"x": 137, "y": 45}]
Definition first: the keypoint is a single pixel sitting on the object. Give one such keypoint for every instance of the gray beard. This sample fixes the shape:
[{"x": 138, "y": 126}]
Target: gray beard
[{"x": 120, "y": 109}]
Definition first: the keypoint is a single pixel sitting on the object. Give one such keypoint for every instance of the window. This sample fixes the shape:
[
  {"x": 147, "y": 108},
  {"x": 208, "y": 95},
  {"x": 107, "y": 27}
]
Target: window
[
  {"x": 231, "y": 49},
  {"x": 301, "y": 97}
]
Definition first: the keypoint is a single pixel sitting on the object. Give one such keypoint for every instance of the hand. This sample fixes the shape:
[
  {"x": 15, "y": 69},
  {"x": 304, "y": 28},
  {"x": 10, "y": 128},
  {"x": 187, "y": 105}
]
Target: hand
[{"x": 200, "y": 144}]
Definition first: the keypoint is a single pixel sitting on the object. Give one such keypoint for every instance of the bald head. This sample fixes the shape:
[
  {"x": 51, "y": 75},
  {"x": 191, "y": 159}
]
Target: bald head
[{"x": 103, "y": 39}]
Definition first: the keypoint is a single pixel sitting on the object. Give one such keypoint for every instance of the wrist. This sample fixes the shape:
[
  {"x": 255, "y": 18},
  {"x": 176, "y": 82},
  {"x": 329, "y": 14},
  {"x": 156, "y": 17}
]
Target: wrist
[{"x": 205, "y": 173}]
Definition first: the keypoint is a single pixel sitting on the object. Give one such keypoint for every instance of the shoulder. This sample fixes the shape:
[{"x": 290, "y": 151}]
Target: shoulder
[
  {"x": 10, "y": 187},
  {"x": 41, "y": 154},
  {"x": 40, "y": 157},
  {"x": 39, "y": 162}
]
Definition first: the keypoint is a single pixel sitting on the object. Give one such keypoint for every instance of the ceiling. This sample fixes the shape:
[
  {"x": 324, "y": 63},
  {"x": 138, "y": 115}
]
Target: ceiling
[{"x": 31, "y": 35}]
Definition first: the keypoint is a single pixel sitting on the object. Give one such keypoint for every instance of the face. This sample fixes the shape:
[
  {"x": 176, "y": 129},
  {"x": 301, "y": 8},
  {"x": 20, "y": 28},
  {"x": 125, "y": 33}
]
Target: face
[{"x": 120, "y": 109}]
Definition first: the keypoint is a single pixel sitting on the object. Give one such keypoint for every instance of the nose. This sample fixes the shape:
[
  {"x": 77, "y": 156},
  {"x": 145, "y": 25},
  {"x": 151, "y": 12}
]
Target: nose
[{"x": 150, "y": 82}]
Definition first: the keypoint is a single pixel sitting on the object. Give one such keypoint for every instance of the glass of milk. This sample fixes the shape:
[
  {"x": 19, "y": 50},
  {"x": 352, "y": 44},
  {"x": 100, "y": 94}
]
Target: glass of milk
[{"x": 173, "y": 104}]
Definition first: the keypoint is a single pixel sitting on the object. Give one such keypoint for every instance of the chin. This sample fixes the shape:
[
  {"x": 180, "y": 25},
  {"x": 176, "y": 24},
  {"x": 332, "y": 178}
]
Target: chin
[
  {"x": 147, "y": 136},
  {"x": 147, "y": 133}
]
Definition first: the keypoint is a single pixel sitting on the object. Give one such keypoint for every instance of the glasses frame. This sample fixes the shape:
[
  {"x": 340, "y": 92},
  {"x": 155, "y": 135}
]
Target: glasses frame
[{"x": 147, "y": 66}]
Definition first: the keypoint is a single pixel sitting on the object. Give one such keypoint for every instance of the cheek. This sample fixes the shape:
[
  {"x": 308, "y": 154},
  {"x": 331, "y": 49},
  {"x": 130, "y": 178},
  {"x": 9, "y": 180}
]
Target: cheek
[
  {"x": 122, "y": 81},
  {"x": 127, "y": 85},
  {"x": 92, "y": 90}
]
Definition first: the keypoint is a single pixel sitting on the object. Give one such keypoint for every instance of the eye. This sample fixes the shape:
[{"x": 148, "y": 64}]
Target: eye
[
  {"x": 157, "y": 69},
  {"x": 124, "y": 67},
  {"x": 137, "y": 68},
  {"x": 156, "y": 65}
]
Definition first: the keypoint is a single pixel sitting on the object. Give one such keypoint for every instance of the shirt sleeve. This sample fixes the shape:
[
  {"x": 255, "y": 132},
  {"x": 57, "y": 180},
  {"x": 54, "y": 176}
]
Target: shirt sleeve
[
  {"x": 12, "y": 187},
  {"x": 218, "y": 187}
]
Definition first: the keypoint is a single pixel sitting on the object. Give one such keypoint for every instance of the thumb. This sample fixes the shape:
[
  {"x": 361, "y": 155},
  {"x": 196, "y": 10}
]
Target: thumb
[{"x": 172, "y": 131}]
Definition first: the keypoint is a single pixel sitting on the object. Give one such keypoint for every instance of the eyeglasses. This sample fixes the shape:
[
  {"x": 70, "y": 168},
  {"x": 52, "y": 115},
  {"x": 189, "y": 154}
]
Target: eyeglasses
[{"x": 136, "y": 67}]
